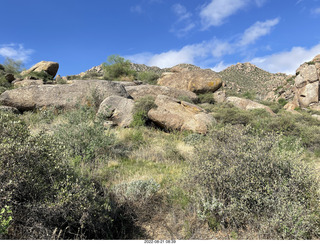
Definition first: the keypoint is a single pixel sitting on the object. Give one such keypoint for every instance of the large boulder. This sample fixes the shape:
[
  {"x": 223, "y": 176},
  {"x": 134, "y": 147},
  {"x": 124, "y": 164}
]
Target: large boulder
[
  {"x": 195, "y": 80},
  {"x": 174, "y": 114},
  {"x": 49, "y": 67},
  {"x": 61, "y": 96},
  {"x": 247, "y": 104},
  {"x": 117, "y": 109},
  {"x": 138, "y": 92},
  {"x": 307, "y": 83},
  {"x": 22, "y": 83}
]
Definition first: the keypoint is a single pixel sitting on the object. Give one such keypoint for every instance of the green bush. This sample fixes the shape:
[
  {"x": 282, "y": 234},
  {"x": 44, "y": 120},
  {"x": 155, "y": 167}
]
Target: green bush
[
  {"x": 141, "y": 109},
  {"x": 250, "y": 182},
  {"x": 47, "y": 198},
  {"x": 84, "y": 136},
  {"x": 137, "y": 191},
  {"x": 5, "y": 219},
  {"x": 148, "y": 77},
  {"x": 117, "y": 67},
  {"x": 228, "y": 114},
  {"x": 40, "y": 76},
  {"x": 282, "y": 101},
  {"x": 206, "y": 98},
  {"x": 12, "y": 66}
]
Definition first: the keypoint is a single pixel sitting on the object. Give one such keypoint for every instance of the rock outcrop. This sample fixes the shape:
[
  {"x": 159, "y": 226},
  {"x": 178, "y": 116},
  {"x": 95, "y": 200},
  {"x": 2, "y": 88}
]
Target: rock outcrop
[
  {"x": 22, "y": 83},
  {"x": 195, "y": 79},
  {"x": 247, "y": 104},
  {"x": 118, "y": 110},
  {"x": 51, "y": 68},
  {"x": 307, "y": 83},
  {"x": 174, "y": 114},
  {"x": 61, "y": 96},
  {"x": 138, "y": 92}
]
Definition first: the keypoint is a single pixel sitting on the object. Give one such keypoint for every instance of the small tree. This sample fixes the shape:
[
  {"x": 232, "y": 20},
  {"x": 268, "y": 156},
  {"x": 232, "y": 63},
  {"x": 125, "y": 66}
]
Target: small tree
[
  {"x": 12, "y": 66},
  {"x": 117, "y": 67}
]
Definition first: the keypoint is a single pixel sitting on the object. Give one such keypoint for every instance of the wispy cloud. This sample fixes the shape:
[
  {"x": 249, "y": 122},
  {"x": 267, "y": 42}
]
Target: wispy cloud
[
  {"x": 213, "y": 49},
  {"x": 260, "y": 3},
  {"x": 257, "y": 30},
  {"x": 15, "y": 51},
  {"x": 217, "y": 11},
  {"x": 288, "y": 61},
  {"x": 220, "y": 66},
  {"x": 136, "y": 9},
  {"x": 316, "y": 11},
  {"x": 184, "y": 22}
]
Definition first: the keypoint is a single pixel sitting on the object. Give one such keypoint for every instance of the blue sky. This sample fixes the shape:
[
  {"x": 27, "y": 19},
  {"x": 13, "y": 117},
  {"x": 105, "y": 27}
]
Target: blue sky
[{"x": 276, "y": 35}]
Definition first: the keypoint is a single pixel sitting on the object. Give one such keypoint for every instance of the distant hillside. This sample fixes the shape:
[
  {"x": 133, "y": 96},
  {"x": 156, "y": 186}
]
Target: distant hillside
[
  {"x": 97, "y": 71},
  {"x": 248, "y": 78},
  {"x": 239, "y": 79}
]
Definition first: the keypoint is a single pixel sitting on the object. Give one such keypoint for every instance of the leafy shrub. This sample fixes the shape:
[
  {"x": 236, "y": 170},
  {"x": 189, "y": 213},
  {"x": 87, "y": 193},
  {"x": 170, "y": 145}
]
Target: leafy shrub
[
  {"x": 140, "y": 190},
  {"x": 12, "y": 66},
  {"x": 73, "y": 77},
  {"x": 148, "y": 77},
  {"x": 282, "y": 101},
  {"x": 5, "y": 219},
  {"x": 84, "y": 137},
  {"x": 47, "y": 198},
  {"x": 117, "y": 67},
  {"x": 249, "y": 182},
  {"x": 206, "y": 98},
  {"x": 249, "y": 95},
  {"x": 228, "y": 114},
  {"x": 141, "y": 109},
  {"x": 40, "y": 76}
]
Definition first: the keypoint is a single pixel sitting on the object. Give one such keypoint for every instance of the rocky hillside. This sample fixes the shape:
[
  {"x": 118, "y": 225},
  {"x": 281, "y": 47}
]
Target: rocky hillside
[
  {"x": 247, "y": 78},
  {"x": 97, "y": 71}
]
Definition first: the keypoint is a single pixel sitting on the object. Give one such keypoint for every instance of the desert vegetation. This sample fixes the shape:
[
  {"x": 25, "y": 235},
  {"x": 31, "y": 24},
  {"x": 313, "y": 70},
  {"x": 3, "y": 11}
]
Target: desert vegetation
[{"x": 64, "y": 175}]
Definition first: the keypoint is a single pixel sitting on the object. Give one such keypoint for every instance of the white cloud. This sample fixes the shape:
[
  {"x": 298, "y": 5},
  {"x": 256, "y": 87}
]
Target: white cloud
[
  {"x": 187, "y": 54},
  {"x": 260, "y": 3},
  {"x": 181, "y": 11},
  {"x": 215, "y": 13},
  {"x": 208, "y": 51},
  {"x": 15, "y": 51},
  {"x": 136, "y": 9},
  {"x": 287, "y": 62},
  {"x": 220, "y": 66},
  {"x": 257, "y": 30},
  {"x": 221, "y": 48},
  {"x": 184, "y": 23},
  {"x": 316, "y": 11},
  {"x": 140, "y": 58}
]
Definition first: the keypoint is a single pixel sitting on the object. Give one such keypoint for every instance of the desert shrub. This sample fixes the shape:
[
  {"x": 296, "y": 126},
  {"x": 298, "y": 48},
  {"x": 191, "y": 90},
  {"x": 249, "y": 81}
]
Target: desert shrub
[
  {"x": 12, "y": 66},
  {"x": 206, "y": 98},
  {"x": 141, "y": 195},
  {"x": 148, "y": 77},
  {"x": 141, "y": 109},
  {"x": 40, "y": 76},
  {"x": 117, "y": 67},
  {"x": 84, "y": 136},
  {"x": 228, "y": 114},
  {"x": 282, "y": 101},
  {"x": 137, "y": 191},
  {"x": 249, "y": 95},
  {"x": 91, "y": 75},
  {"x": 250, "y": 182},
  {"x": 47, "y": 198},
  {"x": 5, "y": 219},
  {"x": 73, "y": 77}
]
